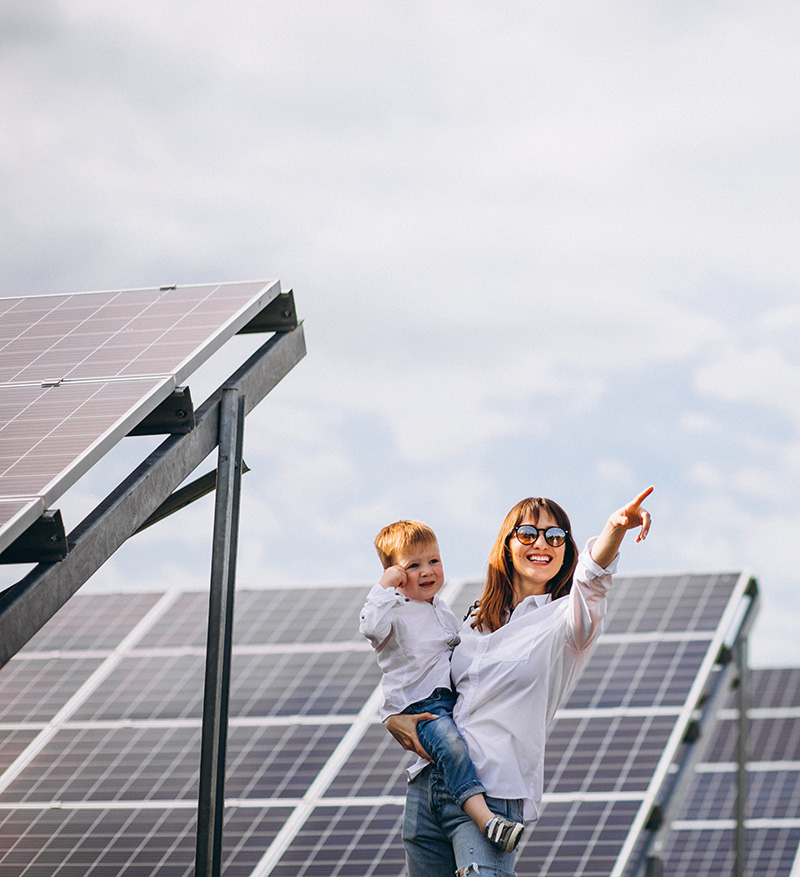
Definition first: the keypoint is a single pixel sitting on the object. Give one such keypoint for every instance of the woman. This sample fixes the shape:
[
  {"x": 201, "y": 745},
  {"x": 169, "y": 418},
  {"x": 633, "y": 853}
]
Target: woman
[{"x": 521, "y": 649}]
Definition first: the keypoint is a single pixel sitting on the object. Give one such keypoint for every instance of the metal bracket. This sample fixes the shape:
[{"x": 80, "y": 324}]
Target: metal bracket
[
  {"x": 45, "y": 541},
  {"x": 279, "y": 315},
  {"x": 656, "y": 818},
  {"x": 186, "y": 495},
  {"x": 174, "y": 416}
]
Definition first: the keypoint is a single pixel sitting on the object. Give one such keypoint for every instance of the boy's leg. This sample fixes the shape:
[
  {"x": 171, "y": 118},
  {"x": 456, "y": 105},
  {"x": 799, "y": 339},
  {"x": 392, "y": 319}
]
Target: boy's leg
[{"x": 442, "y": 741}]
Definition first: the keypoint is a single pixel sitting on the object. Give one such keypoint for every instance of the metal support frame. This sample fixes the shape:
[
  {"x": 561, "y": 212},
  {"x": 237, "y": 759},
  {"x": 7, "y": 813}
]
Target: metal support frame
[
  {"x": 731, "y": 661},
  {"x": 26, "y": 606},
  {"x": 742, "y": 753},
  {"x": 211, "y": 796}
]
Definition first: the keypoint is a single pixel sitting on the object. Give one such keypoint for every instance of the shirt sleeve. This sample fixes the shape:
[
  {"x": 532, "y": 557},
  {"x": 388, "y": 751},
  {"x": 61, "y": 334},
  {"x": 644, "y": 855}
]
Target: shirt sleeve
[
  {"x": 376, "y": 614},
  {"x": 590, "y": 584}
]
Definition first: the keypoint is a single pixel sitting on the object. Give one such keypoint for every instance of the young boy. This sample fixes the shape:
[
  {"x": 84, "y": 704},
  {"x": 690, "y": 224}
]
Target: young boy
[{"x": 414, "y": 632}]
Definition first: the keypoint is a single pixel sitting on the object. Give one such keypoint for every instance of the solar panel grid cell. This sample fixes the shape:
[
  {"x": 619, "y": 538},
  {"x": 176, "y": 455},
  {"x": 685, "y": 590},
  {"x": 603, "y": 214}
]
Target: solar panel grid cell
[
  {"x": 605, "y": 755},
  {"x": 299, "y": 616},
  {"x": 13, "y": 741},
  {"x": 354, "y": 841},
  {"x": 579, "y": 838},
  {"x": 775, "y": 688},
  {"x": 186, "y": 626},
  {"x": 771, "y": 794},
  {"x": 638, "y": 674},
  {"x": 151, "y": 688},
  {"x": 769, "y": 739},
  {"x": 170, "y": 686},
  {"x": 278, "y": 762},
  {"x": 100, "y": 335},
  {"x": 15, "y": 509},
  {"x": 161, "y": 764},
  {"x": 267, "y": 617},
  {"x": 771, "y": 852},
  {"x": 92, "y": 621},
  {"x": 126, "y": 842},
  {"x": 668, "y": 603},
  {"x": 35, "y": 690},
  {"x": 376, "y": 768},
  {"x": 111, "y": 764},
  {"x": 67, "y": 421}
]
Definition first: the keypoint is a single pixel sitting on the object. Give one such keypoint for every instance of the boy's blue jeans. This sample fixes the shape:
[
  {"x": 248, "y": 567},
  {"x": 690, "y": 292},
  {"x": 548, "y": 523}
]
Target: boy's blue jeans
[{"x": 441, "y": 740}]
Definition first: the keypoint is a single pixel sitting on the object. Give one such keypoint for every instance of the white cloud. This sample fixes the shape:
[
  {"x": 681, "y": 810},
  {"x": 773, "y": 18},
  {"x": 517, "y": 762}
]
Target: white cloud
[
  {"x": 698, "y": 423},
  {"x": 706, "y": 476},
  {"x": 761, "y": 377}
]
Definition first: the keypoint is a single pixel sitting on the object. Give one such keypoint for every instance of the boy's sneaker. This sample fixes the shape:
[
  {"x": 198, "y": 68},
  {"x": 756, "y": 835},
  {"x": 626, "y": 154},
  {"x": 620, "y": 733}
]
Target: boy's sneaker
[{"x": 503, "y": 833}]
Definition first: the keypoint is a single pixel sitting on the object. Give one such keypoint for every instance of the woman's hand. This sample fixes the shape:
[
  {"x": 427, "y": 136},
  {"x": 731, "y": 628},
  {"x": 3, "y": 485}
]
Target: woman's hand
[
  {"x": 403, "y": 727},
  {"x": 632, "y": 515},
  {"x": 629, "y": 517}
]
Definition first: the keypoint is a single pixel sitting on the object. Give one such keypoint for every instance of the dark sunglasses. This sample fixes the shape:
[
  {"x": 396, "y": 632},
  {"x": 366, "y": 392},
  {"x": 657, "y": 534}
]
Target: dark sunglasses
[{"x": 528, "y": 534}]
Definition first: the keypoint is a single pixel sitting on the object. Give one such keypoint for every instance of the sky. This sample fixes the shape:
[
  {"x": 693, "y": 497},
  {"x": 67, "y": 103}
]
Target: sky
[{"x": 539, "y": 248}]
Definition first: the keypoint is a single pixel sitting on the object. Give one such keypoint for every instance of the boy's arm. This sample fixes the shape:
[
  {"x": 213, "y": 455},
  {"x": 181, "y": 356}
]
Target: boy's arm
[{"x": 376, "y": 614}]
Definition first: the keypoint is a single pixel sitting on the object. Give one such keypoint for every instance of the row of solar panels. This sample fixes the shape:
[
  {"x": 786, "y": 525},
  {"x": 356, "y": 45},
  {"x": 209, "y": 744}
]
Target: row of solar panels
[{"x": 100, "y": 729}]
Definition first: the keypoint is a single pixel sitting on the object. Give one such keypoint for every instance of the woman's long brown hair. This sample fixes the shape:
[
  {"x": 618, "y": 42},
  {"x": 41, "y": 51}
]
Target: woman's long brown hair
[{"x": 497, "y": 599}]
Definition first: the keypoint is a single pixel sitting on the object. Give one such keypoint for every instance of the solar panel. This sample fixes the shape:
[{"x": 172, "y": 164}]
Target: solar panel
[
  {"x": 79, "y": 371},
  {"x": 103, "y": 713},
  {"x": 701, "y": 840}
]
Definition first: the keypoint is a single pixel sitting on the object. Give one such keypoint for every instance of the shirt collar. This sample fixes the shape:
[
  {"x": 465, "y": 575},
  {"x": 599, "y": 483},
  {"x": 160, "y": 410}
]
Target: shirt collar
[{"x": 534, "y": 601}]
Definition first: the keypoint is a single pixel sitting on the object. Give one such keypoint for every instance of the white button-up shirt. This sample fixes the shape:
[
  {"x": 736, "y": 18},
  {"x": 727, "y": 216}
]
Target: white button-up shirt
[
  {"x": 511, "y": 682},
  {"x": 414, "y": 640}
]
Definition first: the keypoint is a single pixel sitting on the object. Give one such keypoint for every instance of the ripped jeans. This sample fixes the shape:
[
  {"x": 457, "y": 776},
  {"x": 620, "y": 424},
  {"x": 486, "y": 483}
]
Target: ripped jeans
[{"x": 440, "y": 840}]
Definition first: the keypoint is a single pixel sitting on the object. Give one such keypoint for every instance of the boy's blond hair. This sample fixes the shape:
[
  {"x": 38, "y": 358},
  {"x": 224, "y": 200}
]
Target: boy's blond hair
[{"x": 400, "y": 537}]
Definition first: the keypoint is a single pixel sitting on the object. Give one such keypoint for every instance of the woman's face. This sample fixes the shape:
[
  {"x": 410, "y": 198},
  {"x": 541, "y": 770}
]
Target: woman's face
[{"x": 536, "y": 564}]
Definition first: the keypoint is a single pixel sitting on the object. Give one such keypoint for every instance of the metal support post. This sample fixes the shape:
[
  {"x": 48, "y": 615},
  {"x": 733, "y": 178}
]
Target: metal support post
[
  {"x": 654, "y": 867},
  {"x": 742, "y": 748},
  {"x": 211, "y": 797}
]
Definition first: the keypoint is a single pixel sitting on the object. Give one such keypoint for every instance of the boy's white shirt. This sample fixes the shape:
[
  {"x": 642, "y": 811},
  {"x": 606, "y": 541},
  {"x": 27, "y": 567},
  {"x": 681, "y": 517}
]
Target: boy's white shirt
[
  {"x": 511, "y": 682},
  {"x": 413, "y": 640}
]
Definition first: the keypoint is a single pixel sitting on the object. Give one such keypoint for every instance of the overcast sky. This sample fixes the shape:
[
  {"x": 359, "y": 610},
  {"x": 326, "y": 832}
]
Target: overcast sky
[{"x": 539, "y": 248}]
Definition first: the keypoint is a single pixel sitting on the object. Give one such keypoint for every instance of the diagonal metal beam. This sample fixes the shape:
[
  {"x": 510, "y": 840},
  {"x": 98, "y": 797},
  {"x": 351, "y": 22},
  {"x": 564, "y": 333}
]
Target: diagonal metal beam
[{"x": 28, "y": 605}]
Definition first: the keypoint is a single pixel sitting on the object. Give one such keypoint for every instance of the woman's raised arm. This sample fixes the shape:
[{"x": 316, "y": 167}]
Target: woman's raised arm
[{"x": 629, "y": 517}]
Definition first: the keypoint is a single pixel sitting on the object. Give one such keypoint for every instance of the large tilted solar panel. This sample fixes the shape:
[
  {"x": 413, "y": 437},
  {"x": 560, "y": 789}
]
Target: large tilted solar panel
[
  {"x": 701, "y": 841},
  {"x": 79, "y": 371},
  {"x": 100, "y": 726}
]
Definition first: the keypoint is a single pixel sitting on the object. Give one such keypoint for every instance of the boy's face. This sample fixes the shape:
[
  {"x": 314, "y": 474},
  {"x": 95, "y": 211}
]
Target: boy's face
[{"x": 423, "y": 567}]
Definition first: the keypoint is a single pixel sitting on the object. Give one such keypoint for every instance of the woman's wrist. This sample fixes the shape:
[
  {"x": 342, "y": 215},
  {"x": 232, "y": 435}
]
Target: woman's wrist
[{"x": 606, "y": 546}]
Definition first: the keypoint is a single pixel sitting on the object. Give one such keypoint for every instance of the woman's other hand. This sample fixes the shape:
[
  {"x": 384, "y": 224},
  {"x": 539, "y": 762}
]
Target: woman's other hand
[{"x": 403, "y": 727}]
